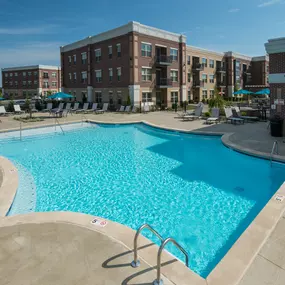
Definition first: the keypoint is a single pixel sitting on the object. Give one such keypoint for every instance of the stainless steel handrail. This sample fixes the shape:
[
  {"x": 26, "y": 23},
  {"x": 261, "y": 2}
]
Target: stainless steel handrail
[
  {"x": 86, "y": 120},
  {"x": 275, "y": 146},
  {"x": 56, "y": 121},
  {"x": 136, "y": 262},
  {"x": 159, "y": 281}
]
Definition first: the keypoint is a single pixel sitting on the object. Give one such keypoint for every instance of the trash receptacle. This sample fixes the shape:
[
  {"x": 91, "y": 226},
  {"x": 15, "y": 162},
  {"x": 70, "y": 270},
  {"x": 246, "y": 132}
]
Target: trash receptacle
[{"x": 276, "y": 126}]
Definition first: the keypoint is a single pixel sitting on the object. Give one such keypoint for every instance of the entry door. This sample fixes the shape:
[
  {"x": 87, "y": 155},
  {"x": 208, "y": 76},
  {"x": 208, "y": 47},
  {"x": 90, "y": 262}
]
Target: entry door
[
  {"x": 157, "y": 51},
  {"x": 158, "y": 75}
]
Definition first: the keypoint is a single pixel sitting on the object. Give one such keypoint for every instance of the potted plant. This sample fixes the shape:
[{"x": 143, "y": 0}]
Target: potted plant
[{"x": 276, "y": 125}]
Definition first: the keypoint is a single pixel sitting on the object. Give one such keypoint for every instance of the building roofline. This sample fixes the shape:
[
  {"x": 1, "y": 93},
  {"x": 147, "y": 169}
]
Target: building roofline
[
  {"x": 123, "y": 30},
  {"x": 275, "y": 45},
  {"x": 238, "y": 55},
  {"x": 29, "y": 67},
  {"x": 205, "y": 50}
]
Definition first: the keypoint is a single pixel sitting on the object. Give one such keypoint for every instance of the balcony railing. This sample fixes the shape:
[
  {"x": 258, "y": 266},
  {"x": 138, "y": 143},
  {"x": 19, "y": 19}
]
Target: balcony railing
[
  {"x": 164, "y": 82},
  {"x": 45, "y": 76},
  {"x": 221, "y": 69},
  {"x": 46, "y": 86},
  {"x": 198, "y": 83},
  {"x": 221, "y": 83},
  {"x": 198, "y": 66},
  {"x": 163, "y": 59}
]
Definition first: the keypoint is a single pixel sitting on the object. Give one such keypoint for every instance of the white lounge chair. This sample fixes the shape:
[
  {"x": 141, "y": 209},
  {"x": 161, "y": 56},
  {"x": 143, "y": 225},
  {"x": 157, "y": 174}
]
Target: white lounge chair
[
  {"x": 146, "y": 108},
  {"x": 122, "y": 109},
  {"x": 68, "y": 107},
  {"x": 49, "y": 108},
  {"x": 75, "y": 107},
  {"x": 3, "y": 111},
  {"x": 57, "y": 110},
  {"x": 197, "y": 114},
  {"x": 93, "y": 109},
  {"x": 236, "y": 114},
  {"x": 215, "y": 116},
  {"x": 229, "y": 117},
  {"x": 104, "y": 109},
  {"x": 128, "y": 109},
  {"x": 84, "y": 109},
  {"x": 134, "y": 110},
  {"x": 18, "y": 110}
]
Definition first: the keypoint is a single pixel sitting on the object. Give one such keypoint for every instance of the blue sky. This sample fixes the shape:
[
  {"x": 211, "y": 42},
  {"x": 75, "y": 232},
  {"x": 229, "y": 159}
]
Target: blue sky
[{"x": 31, "y": 31}]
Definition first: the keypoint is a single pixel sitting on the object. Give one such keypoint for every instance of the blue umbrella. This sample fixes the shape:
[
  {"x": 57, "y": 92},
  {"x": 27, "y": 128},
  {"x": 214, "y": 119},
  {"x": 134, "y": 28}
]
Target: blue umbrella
[
  {"x": 243, "y": 92},
  {"x": 263, "y": 92},
  {"x": 60, "y": 95},
  {"x": 1, "y": 99}
]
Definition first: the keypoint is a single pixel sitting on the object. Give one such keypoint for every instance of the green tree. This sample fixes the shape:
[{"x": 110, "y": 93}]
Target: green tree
[
  {"x": 218, "y": 101},
  {"x": 129, "y": 100},
  {"x": 236, "y": 88}
]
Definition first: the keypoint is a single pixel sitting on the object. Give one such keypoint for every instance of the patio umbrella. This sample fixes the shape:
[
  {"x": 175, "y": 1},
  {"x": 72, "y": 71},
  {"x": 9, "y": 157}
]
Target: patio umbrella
[
  {"x": 243, "y": 92},
  {"x": 1, "y": 99},
  {"x": 265, "y": 91},
  {"x": 60, "y": 95}
]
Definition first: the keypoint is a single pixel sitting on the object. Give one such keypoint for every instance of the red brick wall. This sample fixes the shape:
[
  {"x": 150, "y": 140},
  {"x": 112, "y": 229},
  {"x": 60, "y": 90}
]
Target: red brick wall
[{"x": 277, "y": 63}]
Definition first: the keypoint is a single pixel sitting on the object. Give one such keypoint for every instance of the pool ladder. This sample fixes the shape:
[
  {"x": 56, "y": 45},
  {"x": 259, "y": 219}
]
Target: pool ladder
[
  {"x": 135, "y": 263},
  {"x": 274, "y": 151},
  {"x": 57, "y": 122}
]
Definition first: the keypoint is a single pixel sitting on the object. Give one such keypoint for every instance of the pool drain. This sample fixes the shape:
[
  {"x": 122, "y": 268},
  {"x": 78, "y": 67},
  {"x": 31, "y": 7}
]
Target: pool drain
[{"x": 239, "y": 189}]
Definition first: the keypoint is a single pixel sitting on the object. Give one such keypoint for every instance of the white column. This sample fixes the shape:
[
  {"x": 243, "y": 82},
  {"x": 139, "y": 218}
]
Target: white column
[
  {"x": 90, "y": 94},
  {"x": 134, "y": 91},
  {"x": 230, "y": 91},
  {"x": 183, "y": 93},
  {"x": 3, "y": 92},
  {"x": 39, "y": 91}
]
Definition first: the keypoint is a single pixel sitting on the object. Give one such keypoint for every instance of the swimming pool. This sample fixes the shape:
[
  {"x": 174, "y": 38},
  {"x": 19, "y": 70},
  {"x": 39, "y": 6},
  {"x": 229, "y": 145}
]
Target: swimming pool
[{"x": 188, "y": 187}]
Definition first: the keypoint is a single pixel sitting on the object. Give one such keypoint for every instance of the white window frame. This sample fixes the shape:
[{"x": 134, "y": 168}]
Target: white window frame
[
  {"x": 11, "y": 74},
  {"x": 119, "y": 50},
  {"x": 174, "y": 96},
  {"x": 74, "y": 59},
  {"x": 84, "y": 76},
  {"x": 6, "y": 74},
  {"x": 16, "y": 83},
  {"x": 119, "y": 73},
  {"x": 203, "y": 95},
  {"x": 69, "y": 59},
  {"x": 98, "y": 96},
  {"x": 212, "y": 93},
  {"x": 35, "y": 73},
  {"x": 35, "y": 82},
  {"x": 174, "y": 57},
  {"x": 54, "y": 84},
  {"x": 212, "y": 80},
  {"x": 146, "y": 49},
  {"x": 212, "y": 65},
  {"x": 189, "y": 77},
  {"x": 146, "y": 74},
  {"x": 98, "y": 79},
  {"x": 29, "y": 73},
  {"x": 205, "y": 80},
  {"x": 188, "y": 59},
  {"x": 110, "y": 52},
  {"x": 172, "y": 72},
  {"x": 24, "y": 73},
  {"x": 29, "y": 83},
  {"x": 53, "y": 74},
  {"x": 74, "y": 76},
  {"x": 69, "y": 76},
  {"x": 98, "y": 54},
  {"x": 16, "y": 74},
  {"x": 111, "y": 74},
  {"x": 84, "y": 57},
  {"x": 146, "y": 97},
  {"x": 24, "y": 83},
  {"x": 205, "y": 64}
]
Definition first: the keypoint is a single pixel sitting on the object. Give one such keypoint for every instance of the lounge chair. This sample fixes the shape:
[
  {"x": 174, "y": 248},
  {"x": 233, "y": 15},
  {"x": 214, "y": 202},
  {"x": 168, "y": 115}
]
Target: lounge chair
[
  {"x": 122, "y": 109},
  {"x": 236, "y": 114},
  {"x": 75, "y": 107},
  {"x": 93, "y": 109},
  {"x": 128, "y": 109},
  {"x": 231, "y": 118},
  {"x": 197, "y": 114},
  {"x": 84, "y": 109},
  {"x": 49, "y": 108},
  {"x": 18, "y": 110},
  {"x": 104, "y": 109},
  {"x": 68, "y": 107},
  {"x": 3, "y": 111},
  {"x": 215, "y": 116},
  {"x": 57, "y": 110},
  {"x": 33, "y": 108},
  {"x": 134, "y": 110},
  {"x": 146, "y": 108}
]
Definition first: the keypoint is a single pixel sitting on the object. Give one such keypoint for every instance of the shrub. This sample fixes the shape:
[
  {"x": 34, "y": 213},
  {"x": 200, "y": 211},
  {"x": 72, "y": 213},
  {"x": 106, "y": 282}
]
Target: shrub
[
  {"x": 38, "y": 105},
  {"x": 10, "y": 107},
  {"x": 207, "y": 114}
]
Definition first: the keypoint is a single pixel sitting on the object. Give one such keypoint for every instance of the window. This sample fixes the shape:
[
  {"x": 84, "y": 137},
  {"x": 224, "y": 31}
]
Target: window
[
  {"x": 212, "y": 93},
  {"x": 119, "y": 97},
  {"x": 6, "y": 74},
  {"x": 98, "y": 97},
  {"x": 24, "y": 83},
  {"x": 11, "y": 74},
  {"x": 98, "y": 75},
  {"x": 53, "y": 74},
  {"x": 189, "y": 77},
  {"x": 212, "y": 63},
  {"x": 211, "y": 78},
  {"x": 16, "y": 83},
  {"x": 174, "y": 75},
  {"x": 35, "y": 82},
  {"x": 83, "y": 76},
  {"x": 111, "y": 101},
  {"x": 35, "y": 73},
  {"x": 74, "y": 59},
  {"x": 110, "y": 74},
  {"x": 146, "y": 49},
  {"x": 46, "y": 84},
  {"x": 146, "y": 74},
  {"x": 16, "y": 74},
  {"x": 119, "y": 52},
  {"x": 174, "y": 97},
  {"x": 69, "y": 76},
  {"x": 74, "y": 76},
  {"x": 53, "y": 84},
  {"x": 146, "y": 97},
  {"x": 29, "y": 83},
  {"x": 11, "y": 83},
  {"x": 205, "y": 78},
  {"x": 69, "y": 59},
  {"x": 174, "y": 54},
  {"x": 119, "y": 73},
  {"x": 29, "y": 73},
  {"x": 84, "y": 58},
  {"x": 189, "y": 95},
  {"x": 188, "y": 59},
  {"x": 97, "y": 55},
  {"x": 204, "y": 62},
  {"x": 45, "y": 74},
  {"x": 110, "y": 51},
  {"x": 205, "y": 94},
  {"x": 24, "y": 74}
]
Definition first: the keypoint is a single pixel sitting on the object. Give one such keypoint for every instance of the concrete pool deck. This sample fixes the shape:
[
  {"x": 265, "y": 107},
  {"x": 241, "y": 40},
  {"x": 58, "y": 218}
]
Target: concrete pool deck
[{"x": 240, "y": 259}]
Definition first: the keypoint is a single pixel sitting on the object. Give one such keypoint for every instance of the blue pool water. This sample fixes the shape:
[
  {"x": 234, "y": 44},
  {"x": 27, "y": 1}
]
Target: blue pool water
[{"x": 188, "y": 187}]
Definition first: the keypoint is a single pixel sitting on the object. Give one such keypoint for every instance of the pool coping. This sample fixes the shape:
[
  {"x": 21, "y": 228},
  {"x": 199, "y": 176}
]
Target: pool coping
[{"x": 231, "y": 269}]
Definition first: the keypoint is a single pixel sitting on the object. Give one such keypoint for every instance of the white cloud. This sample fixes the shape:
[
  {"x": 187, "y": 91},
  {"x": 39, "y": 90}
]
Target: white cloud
[
  {"x": 234, "y": 10},
  {"x": 269, "y": 3},
  {"x": 29, "y": 30}
]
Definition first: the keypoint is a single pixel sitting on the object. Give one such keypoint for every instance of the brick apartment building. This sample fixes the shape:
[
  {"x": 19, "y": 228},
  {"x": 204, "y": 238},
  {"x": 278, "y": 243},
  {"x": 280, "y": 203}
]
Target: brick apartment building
[
  {"x": 28, "y": 81},
  {"x": 155, "y": 66}
]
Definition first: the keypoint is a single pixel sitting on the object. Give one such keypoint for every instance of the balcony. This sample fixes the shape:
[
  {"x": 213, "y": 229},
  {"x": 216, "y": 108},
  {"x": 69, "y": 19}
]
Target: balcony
[
  {"x": 221, "y": 83},
  {"x": 45, "y": 76},
  {"x": 163, "y": 60},
  {"x": 198, "y": 83},
  {"x": 164, "y": 83},
  {"x": 198, "y": 66},
  {"x": 46, "y": 86},
  {"x": 221, "y": 69},
  {"x": 248, "y": 71}
]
